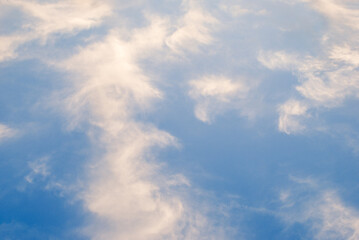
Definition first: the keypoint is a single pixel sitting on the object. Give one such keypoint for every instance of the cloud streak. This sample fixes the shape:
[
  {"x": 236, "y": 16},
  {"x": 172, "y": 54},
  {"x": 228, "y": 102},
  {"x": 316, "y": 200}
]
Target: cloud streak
[
  {"x": 326, "y": 80},
  {"x": 321, "y": 210},
  {"x": 193, "y": 29},
  {"x": 128, "y": 193},
  {"x": 6, "y": 132},
  {"x": 214, "y": 95},
  {"x": 47, "y": 19}
]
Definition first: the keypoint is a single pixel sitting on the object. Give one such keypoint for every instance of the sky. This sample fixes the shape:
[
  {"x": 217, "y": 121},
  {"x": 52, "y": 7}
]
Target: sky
[{"x": 179, "y": 119}]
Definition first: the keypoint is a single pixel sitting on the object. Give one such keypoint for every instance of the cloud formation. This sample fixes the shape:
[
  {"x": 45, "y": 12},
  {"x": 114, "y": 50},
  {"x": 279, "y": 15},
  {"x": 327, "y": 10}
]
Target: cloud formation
[
  {"x": 128, "y": 193},
  {"x": 6, "y": 132},
  {"x": 328, "y": 79},
  {"x": 288, "y": 116},
  {"x": 214, "y": 95},
  {"x": 46, "y": 19},
  {"x": 320, "y": 209},
  {"x": 39, "y": 168},
  {"x": 193, "y": 29}
]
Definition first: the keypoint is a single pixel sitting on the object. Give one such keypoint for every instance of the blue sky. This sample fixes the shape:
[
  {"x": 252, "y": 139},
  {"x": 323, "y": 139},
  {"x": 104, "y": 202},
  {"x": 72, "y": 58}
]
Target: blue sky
[{"x": 179, "y": 119}]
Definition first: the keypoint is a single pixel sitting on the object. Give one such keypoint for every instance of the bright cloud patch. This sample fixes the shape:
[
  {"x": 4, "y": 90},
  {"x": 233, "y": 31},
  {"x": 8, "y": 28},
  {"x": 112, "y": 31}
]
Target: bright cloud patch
[
  {"x": 50, "y": 18},
  {"x": 322, "y": 210},
  {"x": 214, "y": 94},
  {"x": 288, "y": 119},
  {"x": 6, "y": 132},
  {"x": 193, "y": 30}
]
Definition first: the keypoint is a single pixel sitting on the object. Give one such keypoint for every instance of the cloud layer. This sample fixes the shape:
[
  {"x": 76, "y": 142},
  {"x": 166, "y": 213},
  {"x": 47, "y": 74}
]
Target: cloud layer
[{"x": 229, "y": 57}]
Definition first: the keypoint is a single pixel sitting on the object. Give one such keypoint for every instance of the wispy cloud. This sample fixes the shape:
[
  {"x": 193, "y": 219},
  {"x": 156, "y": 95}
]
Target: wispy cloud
[
  {"x": 214, "y": 95},
  {"x": 129, "y": 194},
  {"x": 321, "y": 209},
  {"x": 6, "y": 132},
  {"x": 340, "y": 13},
  {"x": 289, "y": 116},
  {"x": 128, "y": 191},
  {"x": 39, "y": 168},
  {"x": 328, "y": 79},
  {"x": 46, "y": 19},
  {"x": 193, "y": 30}
]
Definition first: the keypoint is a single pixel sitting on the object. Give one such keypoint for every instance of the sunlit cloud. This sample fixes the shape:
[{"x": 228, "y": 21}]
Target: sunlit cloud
[
  {"x": 109, "y": 89},
  {"x": 215, "y": 94},
  {"x": 328, "y": 79},
  {"x": 46, "y": 19},
  {"x": 193, "y": 29},
  {"x": 118, "y": 69},
  {"x": 319, "y": 208}
]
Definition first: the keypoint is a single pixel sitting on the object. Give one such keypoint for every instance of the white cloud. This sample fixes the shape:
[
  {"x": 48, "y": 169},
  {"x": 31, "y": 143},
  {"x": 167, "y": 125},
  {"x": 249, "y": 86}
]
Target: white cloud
[
  {"x": 108, "y": 81},
  {"x": 238, "y": 10},
  {"x": 336, "y": 220},
  {"x": 62, "y": 17},
  {"x": 215, "y": 94},
  {"x": 328, "y": 79},
  {"x": 128, "y": 191},
  {"x": 9, "y": 44},
  {"x": 45, "y": 19},
  {"x": 124, "y": 195},
  {"x": 234, "y": 10},
  {"x": 129, "y": 194},
  {"x": 324, "y": 83},
  {"x": 345, "y": 54},
  {"x": 289, "y": 114},
  {"x": 110, "y": 86},
  {"x": 277, "y": 60},
  {"x": 194, "y": 29},
  {"x": 322, "y": 210},
  {"x": 6, "y": 132},
  {"x": 340, "y": 13}
]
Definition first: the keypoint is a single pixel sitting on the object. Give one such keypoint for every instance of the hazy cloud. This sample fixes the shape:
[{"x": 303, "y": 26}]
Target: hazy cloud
[
  {"x": 320, "y": 209},
  {"x": 289, "y": 113},
  {"x": 325, "y": 80},
  {"x": 45, "y": 19},
  {"x": 193, "y": 29},
  {"x": 128, "y": 193},
  {"x": 39, "y": 168},
  {"x": 6, "y": 132},
  {"x": 214, "y": 95}
]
